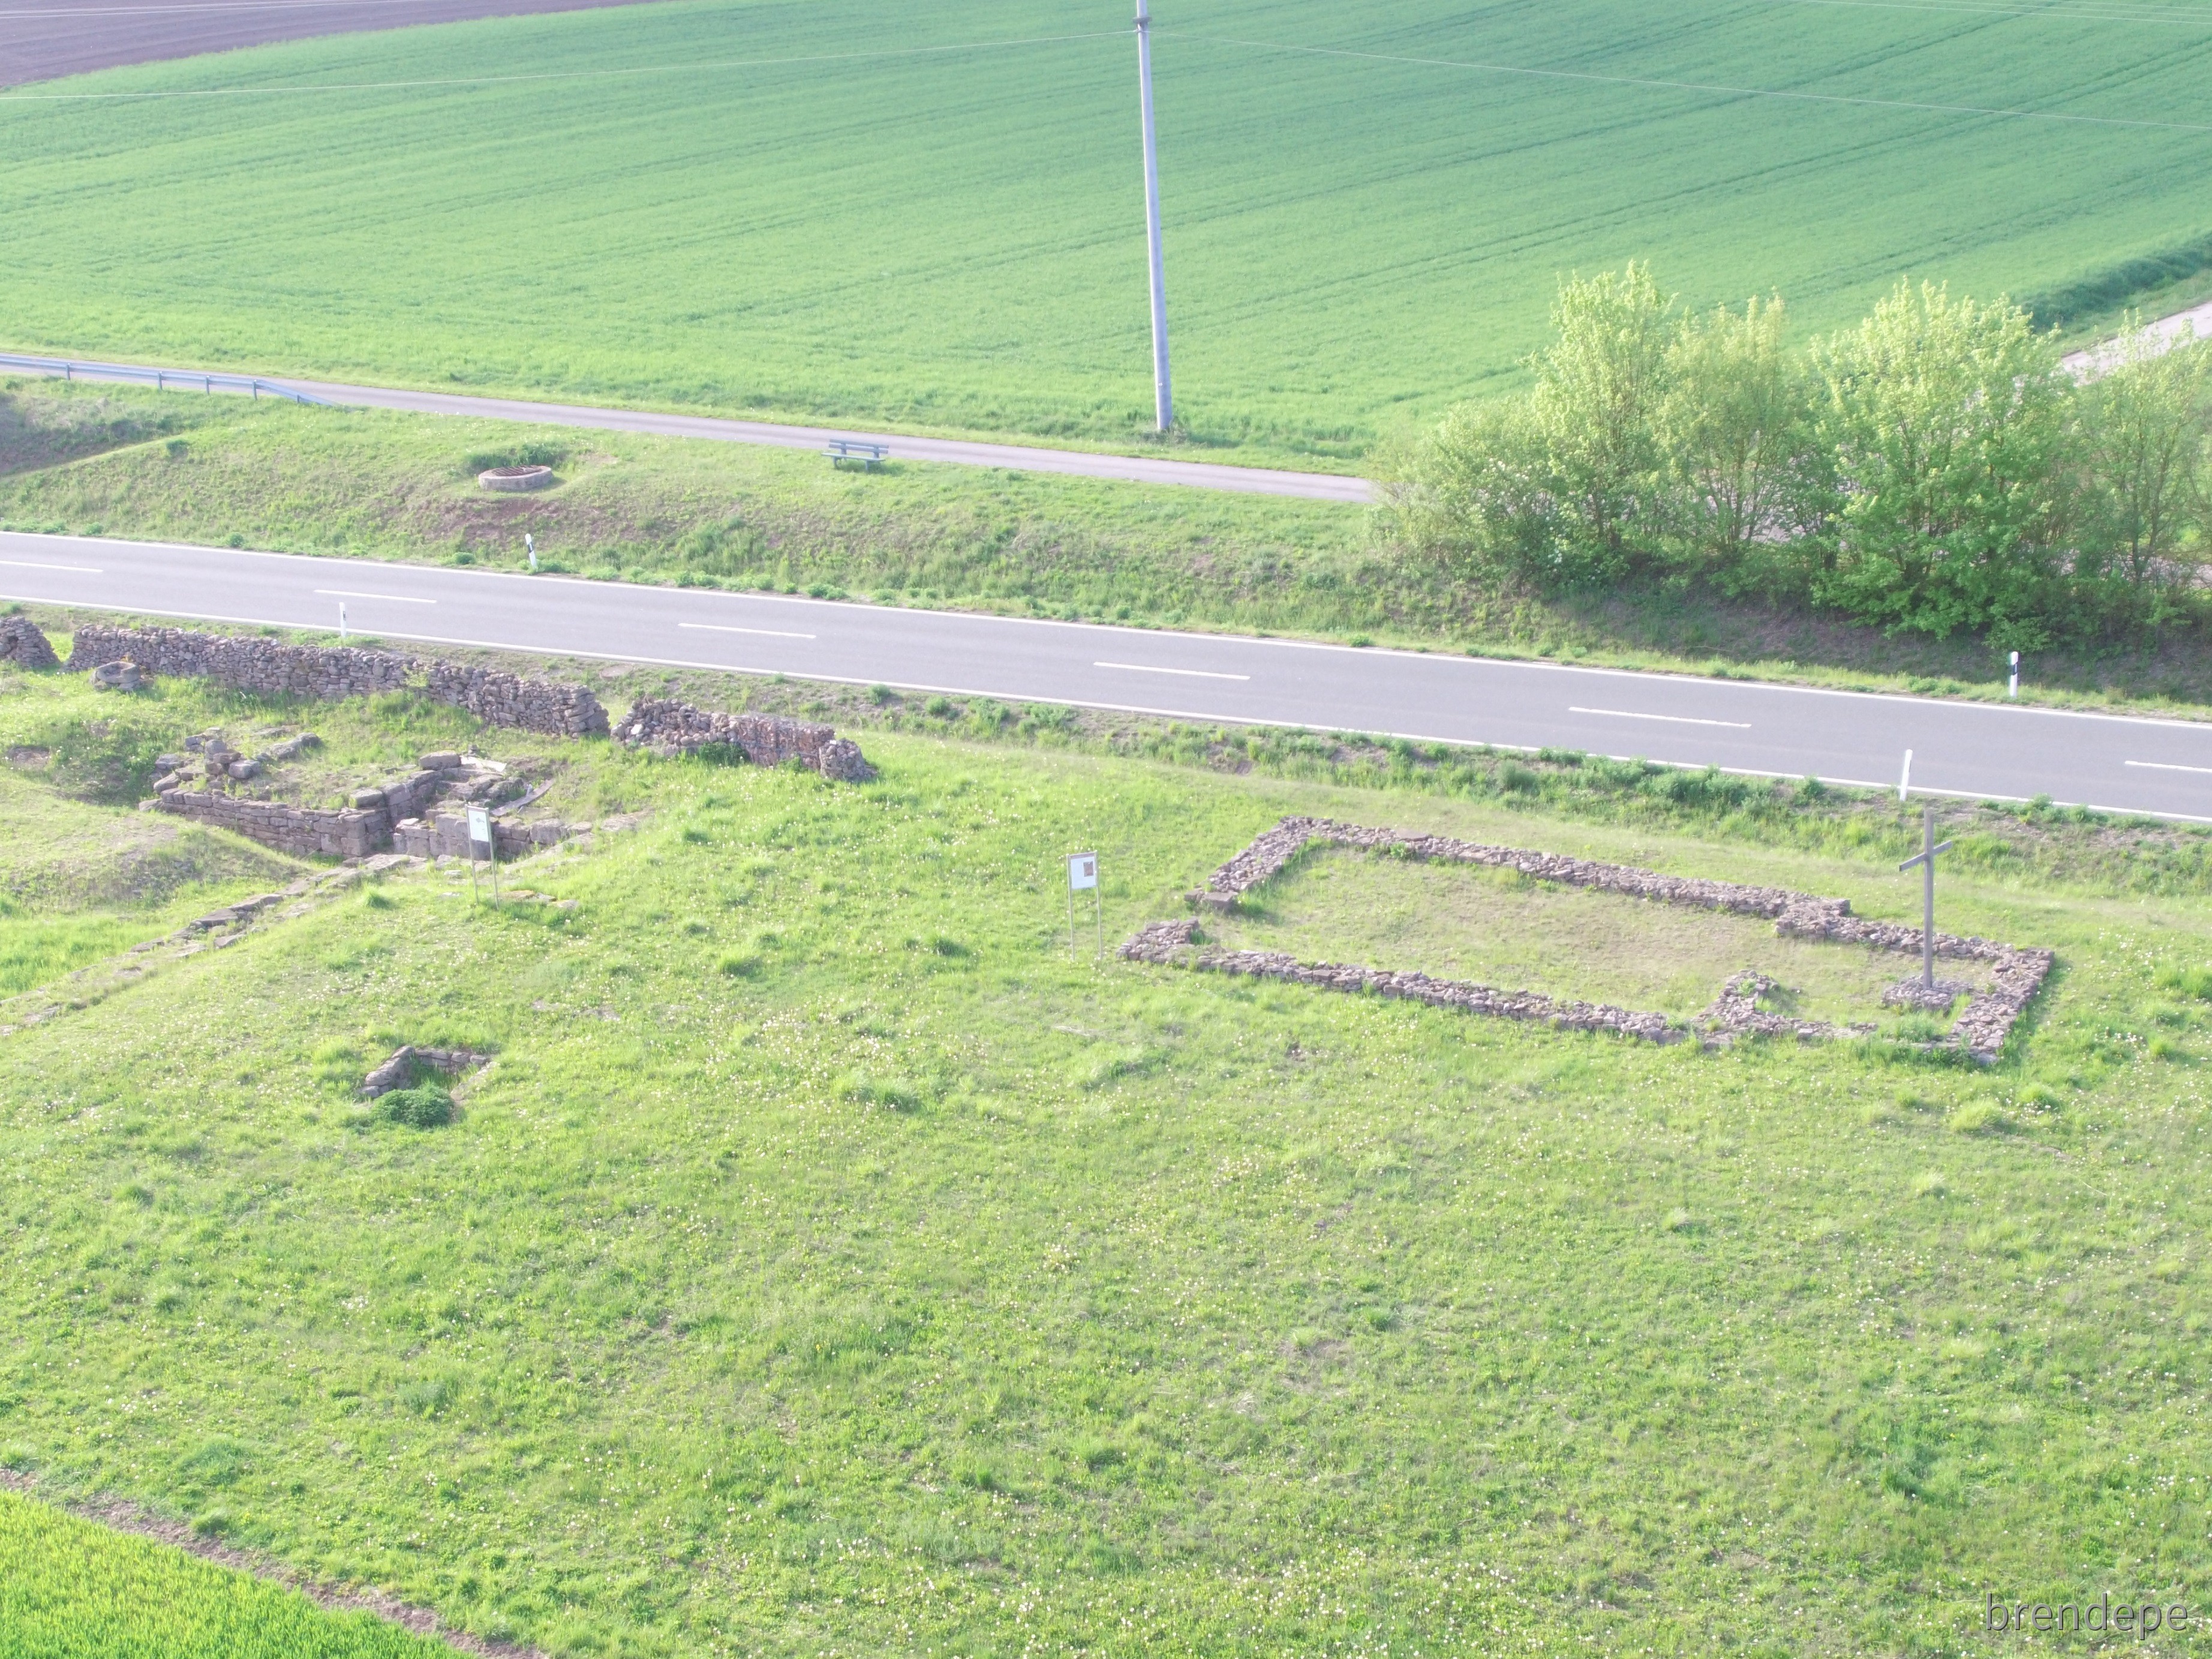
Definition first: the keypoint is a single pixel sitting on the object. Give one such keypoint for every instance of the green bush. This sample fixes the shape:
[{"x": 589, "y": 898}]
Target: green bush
[{"x": 424, "y": 1106}]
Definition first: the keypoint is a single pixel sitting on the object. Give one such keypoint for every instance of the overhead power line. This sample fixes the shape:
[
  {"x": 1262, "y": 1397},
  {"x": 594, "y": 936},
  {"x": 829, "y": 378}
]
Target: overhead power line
[
  {"x": 549, "y": 74},
  {"x": 1592, "y": 77}
]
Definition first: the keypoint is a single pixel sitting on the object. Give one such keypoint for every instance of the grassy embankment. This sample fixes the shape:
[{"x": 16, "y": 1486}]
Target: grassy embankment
[
  {"x": 74, "y": 1590},
  {"x": 830, "y": 1259},
  {"x": 188, "y": 467},
  {"x": 730, "y": 205}
]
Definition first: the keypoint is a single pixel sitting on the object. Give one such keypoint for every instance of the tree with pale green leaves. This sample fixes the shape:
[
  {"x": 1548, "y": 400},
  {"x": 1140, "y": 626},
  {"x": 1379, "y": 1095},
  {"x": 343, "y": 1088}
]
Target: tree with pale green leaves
[{"x": 1949, "y": 423}]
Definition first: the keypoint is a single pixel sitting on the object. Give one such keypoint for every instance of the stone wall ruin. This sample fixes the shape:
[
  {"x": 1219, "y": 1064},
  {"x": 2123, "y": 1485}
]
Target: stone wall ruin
[{"x": 1980, "y": 1030}]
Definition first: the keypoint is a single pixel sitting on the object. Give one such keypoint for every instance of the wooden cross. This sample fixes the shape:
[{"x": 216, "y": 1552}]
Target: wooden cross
[{"x": 1926, "y": 859}]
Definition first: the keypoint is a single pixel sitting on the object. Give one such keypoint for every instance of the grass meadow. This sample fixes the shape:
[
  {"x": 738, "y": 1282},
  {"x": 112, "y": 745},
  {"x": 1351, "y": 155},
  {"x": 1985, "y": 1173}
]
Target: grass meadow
[
  {"x": 831, "y": 1260},
  {"x": 71, "y": 1588},
  {"x": 863, "y": 211}
]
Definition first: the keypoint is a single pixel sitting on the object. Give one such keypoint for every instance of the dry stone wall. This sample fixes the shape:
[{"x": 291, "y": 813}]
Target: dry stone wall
[
  {"x": 1981, "y": 1030},
  {"x": 1167, "y": 942},
  {"x": 23, "y": 644},
  {"x": 503, "y": 699},
  {"x": 271, "y": 667},
  {"x": 304, "y": 832},
  {"x": 668, "y": 727}
]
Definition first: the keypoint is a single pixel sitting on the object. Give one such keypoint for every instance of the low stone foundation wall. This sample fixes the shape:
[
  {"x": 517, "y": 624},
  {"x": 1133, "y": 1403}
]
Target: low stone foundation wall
[
  {"x": 445, "y": 835},
  {"x": 350, "y": 833},
  {"x": 493, "y": 696},
  {"x": 271, "y": 667},
  {"x": 668, "y": 727},
  {"x": 503, "y": 699},
  {"x": 1165, "y": 942},
  {"x": 23, "y": 646},
  {"x": 1981, "y": 1030},
  {"x": 408, "y": 1063}
]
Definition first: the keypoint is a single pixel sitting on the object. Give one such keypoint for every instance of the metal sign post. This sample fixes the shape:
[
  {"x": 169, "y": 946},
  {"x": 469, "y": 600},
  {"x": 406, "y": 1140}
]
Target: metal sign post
[
  {"x": 480, "y": 835},
  {"x": 1082, "y": 877},
  {"x": 1926, "y": 859}
]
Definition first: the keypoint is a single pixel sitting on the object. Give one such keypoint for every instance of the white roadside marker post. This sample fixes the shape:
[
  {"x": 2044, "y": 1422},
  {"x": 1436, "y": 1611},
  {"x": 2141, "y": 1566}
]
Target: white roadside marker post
[
  {"x": 1904, "y": 777},
  {"x": 342, "y": 633},
  {"x": 1083, "y": 876},
  {"x": 530, "y": 546},
  {"x": 2012, "y": 686},
  {"x": 1926, "y": 859}
]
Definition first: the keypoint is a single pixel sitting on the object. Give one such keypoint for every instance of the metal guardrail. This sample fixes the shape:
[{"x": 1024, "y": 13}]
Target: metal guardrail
[{"x": 161, "y": 379}]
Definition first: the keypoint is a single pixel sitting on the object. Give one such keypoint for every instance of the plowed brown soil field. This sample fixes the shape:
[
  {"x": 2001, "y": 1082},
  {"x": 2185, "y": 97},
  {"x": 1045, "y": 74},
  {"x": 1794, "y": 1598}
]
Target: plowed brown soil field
[{"x": 40, "y": 40}]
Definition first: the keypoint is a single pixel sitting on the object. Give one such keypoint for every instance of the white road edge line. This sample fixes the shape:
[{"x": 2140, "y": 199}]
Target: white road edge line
[
  {"x": 1673, "y": 719},
  {"x": 74, "y": 569},
  {"x": 393, "y": 598},
  {"x": 769, "y": 633},
  {"x": 1674, "y": 675},
  {"x": 2162, "y": 766},
  {"x": 1188, "y": 673},
  {"x": 1115, "y": 708}
]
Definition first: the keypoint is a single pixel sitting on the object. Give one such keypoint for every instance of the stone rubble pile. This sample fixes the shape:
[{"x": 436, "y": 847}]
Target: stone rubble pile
[
  {"x": 24, "y": 646},
  {"x": 408, "y": 1063},
  {"x": 668, "y": 727},
  {"x": 1981, "y": 1030}
]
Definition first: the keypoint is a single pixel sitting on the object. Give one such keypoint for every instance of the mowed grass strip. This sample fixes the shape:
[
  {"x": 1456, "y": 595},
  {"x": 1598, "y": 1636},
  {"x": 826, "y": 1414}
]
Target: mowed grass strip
[
  {"x": 831, "y": 1258},
  {"x": 753, "y": 205},
  {"x": 74, "y": 1590}
]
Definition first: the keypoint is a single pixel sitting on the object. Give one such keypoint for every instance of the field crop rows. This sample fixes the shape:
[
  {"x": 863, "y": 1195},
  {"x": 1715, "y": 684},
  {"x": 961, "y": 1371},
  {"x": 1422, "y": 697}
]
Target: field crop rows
[
  {"x": 749, "y": 204},
  {"x": 74, "y": 1590}
]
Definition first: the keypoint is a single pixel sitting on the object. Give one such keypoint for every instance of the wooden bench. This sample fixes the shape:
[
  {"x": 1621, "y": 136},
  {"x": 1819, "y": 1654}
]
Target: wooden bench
[{"x": 843, "y": 450}]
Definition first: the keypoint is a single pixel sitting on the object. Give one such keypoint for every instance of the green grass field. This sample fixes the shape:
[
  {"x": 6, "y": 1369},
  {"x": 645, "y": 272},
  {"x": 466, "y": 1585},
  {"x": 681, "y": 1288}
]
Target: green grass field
[
  {"x": 830, "y": 1262},
  {"x": 806, "y": 209},
  {"x": 74, "y": 1590},
  {"x": 1497, "y": 927}
]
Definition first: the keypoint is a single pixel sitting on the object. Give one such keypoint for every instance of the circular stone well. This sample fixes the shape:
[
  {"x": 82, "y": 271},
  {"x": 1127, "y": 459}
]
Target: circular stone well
[{"x": 516, "y": 477}]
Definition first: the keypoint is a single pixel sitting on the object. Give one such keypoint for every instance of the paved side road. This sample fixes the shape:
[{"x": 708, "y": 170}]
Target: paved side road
[
  {"x": 1978, "y": 749},
  {"x": 1131, "y": 469}
]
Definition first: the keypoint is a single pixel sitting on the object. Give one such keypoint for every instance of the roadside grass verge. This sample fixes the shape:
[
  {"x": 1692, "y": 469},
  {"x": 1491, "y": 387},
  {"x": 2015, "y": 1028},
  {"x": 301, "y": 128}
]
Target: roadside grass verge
[
  {"x": 927, "y": 1283},
  {"x": 372, "y": 485}
]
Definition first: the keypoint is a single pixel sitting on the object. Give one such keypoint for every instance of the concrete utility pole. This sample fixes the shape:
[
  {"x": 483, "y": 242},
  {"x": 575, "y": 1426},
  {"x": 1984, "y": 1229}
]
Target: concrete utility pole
[
  {"x": 1926, "y": 859},
  {"x": 1162, "y": 394}
]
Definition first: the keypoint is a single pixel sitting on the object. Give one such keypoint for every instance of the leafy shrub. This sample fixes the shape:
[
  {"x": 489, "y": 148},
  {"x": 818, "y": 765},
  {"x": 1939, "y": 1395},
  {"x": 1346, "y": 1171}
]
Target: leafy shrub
[{"x": 424, "y": 1106}]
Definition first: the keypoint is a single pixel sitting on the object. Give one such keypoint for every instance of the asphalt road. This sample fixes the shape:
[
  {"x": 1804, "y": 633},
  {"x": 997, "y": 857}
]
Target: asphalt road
[
  {"x": 1976, "y": 750},
  {"x": 954, "y": 452}
]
